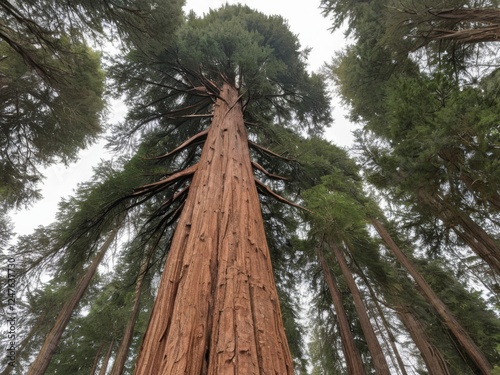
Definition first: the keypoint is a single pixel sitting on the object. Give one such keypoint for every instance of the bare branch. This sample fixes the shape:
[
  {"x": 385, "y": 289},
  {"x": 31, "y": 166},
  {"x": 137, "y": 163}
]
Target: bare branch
[
  {"x": 267, "y": 191},
  {"x": 267, "y": 173},
  {"x": 267, "y": 151},
  {"x": 166, "y": 181}
]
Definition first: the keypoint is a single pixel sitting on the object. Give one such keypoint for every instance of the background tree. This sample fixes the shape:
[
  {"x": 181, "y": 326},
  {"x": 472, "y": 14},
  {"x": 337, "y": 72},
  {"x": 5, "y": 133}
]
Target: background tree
[
  {"x": 52, "y": 83},
  {"x": 418, "y": 110}
]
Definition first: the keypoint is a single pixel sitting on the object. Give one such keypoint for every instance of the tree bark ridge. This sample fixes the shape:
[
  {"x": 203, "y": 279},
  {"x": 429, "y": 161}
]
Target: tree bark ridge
[{"x": 217, "y": 309}]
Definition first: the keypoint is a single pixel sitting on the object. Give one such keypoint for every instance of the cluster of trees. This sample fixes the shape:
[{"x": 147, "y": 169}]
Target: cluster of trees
[{"x": 189, "y": 252}]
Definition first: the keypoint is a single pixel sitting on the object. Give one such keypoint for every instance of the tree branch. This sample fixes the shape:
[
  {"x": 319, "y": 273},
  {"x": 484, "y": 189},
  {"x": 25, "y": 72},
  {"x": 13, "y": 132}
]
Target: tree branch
[
  {"x": 267, "y": 191},
  {"x": 267, "y": 151},
  {"x": 166, "y": 181},
  {"x": 188, "y": 142},
  {"x": 271, "y": 175}
]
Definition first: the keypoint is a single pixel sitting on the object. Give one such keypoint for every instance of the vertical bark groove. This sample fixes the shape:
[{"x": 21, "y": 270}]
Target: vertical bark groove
[{"x": 217, "y": 309}]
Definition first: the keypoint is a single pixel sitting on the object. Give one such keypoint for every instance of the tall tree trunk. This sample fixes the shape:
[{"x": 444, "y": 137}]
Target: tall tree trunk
[
  {"x": 49, "y": 346},
  {"x": 96, "y": 359},
  {"x": 217, "y": 309},
  {"x": 379, "y": 361},
  {"x": 370, "y": 309},
  {"x": 351, "y": 353},
  {"x": 468, "y": 230},
  {"x": 104, "y": 366},
  {"x": 434, "y": 361},
  {"x": 387, "y": 327},
  {"x": 122, "y": 352},
  {"x": 20, "y": 348},
  {"x": 466, "y": 343}
]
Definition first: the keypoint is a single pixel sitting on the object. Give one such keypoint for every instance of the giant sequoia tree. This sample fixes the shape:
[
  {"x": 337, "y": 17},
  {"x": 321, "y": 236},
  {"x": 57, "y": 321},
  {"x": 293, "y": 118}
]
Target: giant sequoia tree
[
  {"x": 220, "y": 85},
  {"x": 217, "y": 307}
]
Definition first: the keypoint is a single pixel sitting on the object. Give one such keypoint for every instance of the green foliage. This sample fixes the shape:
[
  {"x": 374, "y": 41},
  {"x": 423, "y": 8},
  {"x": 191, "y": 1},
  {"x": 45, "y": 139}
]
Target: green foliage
[
  {"x": 254, "y": 52},
  {"x": 426, "y": 126},
  {"x": 44, "y": 123},
  {"x": 52, "y": 84}
]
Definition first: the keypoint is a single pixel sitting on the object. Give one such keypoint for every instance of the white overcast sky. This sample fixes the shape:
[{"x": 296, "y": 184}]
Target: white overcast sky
[{"x": 304, "y": 19}]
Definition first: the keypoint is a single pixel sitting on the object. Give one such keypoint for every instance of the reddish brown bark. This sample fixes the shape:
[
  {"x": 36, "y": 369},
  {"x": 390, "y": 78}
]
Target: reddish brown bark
[
  {"x": 217, "y": 309},
  {"x": 96, "y": 360},
  {"x": 49, "y": 346},
  {"x": 122, "y": 352},
  {"x": 466, "y": 229},
  {"x": 351, "y": 353},
  {"x": 453, "y": 325},
  {"x": 387, "y": 326},
  {"x": 379, "y": 361},
  {"x": 434, "y": 361},
  {"x": 104, "y": 366}
]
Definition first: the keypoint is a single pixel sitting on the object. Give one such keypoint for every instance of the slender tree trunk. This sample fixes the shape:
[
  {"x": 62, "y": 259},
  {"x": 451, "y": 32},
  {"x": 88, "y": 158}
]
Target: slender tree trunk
[
  {"x": 351, "y": 353},
  {"x": 122, "y": 352},
  {"x": 104, "y": 366},
  {"x": 20, "y": 348},
  {"x": 96, "y": 359},
  {"x": 434, "y": 361},
  {"x": 217, "y": 309},
  {"x": 390, "y": 353},
  {"x": 454, "y": 326},
  {"x": 471, "y": 233},
  {"x": 49, "y": 346},
  {"x": 387, "y": 327},
  {"x": 379, "y": 361}
]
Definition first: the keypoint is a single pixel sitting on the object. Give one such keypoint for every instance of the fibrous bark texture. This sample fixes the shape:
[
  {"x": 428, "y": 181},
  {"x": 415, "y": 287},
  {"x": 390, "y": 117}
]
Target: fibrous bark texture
[{"x": 217, "y": 309}]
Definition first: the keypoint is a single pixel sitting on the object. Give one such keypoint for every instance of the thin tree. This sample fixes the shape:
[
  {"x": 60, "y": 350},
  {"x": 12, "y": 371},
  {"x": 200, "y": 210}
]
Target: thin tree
[
  {"x": 123, "y": 348},
  {"x": 385, "y": 322},
  {"x": 351, "y": 353},
  {"x": 49, "y": 346},
  {"x": 379, "y": 361},
  {"x": 105, "y": 360},
  {"x": 467, "y": 344},
  {"x": 433, "y": 359}
]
